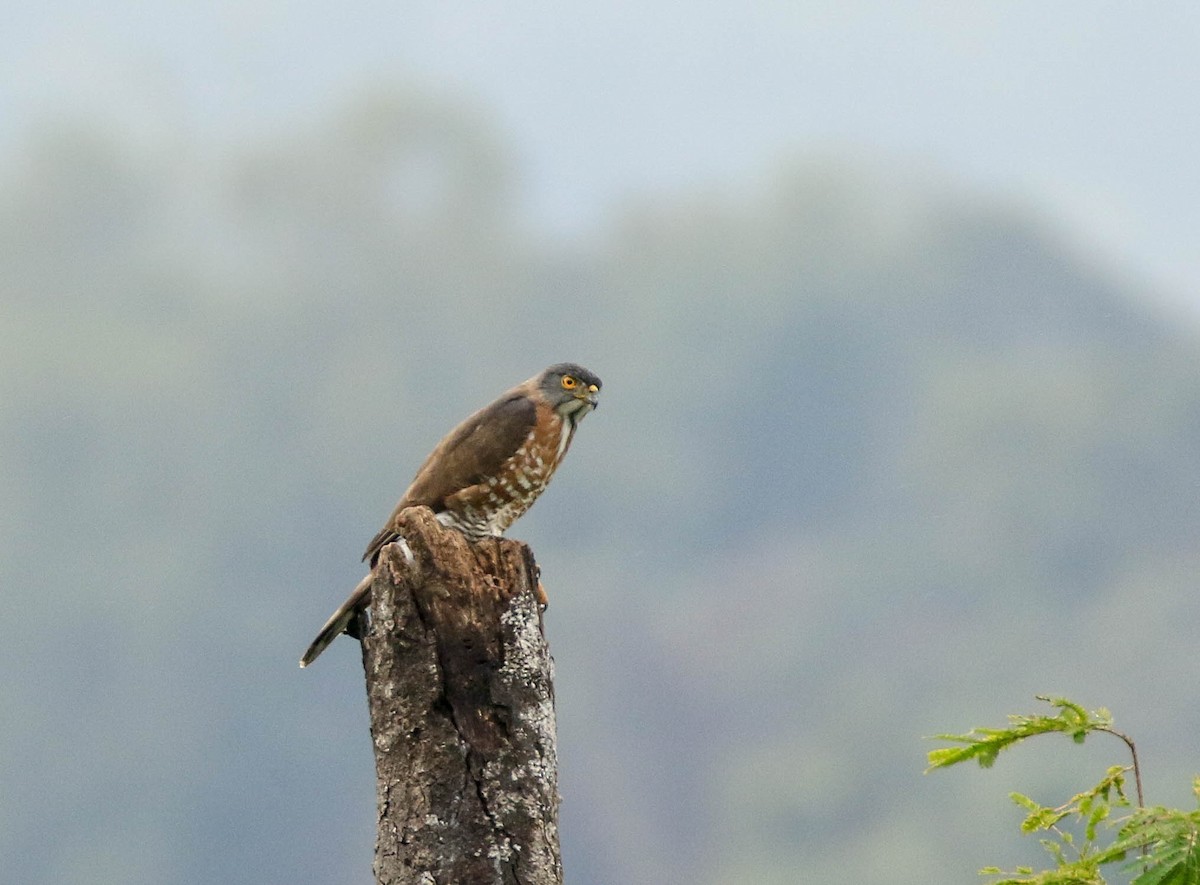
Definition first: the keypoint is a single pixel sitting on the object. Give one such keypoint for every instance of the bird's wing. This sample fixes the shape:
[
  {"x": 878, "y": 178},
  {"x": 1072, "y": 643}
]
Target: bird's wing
[{"x": 468, "y": 454}]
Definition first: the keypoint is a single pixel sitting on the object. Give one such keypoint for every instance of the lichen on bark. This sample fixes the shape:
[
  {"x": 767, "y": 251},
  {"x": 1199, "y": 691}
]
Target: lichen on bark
[{"x": 461, "y": 695}]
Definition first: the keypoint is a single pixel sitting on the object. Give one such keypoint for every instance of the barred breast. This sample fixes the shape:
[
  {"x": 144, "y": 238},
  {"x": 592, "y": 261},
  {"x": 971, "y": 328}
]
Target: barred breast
[{"x": 491, "y": 506}]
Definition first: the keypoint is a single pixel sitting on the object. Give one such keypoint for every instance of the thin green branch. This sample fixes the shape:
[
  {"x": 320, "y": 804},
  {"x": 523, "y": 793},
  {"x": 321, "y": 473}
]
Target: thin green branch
[
  {"x": 1137, "y": 769},
  {"x": 1166, "y": 841}
]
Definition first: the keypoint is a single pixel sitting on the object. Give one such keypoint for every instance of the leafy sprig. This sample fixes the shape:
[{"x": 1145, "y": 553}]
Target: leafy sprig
[{"x": 1164, "y": 842}]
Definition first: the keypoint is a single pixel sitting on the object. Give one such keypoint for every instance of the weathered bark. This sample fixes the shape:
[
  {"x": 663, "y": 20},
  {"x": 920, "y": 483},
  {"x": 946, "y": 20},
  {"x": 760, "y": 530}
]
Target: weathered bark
[{"x": 461, "y": 694}]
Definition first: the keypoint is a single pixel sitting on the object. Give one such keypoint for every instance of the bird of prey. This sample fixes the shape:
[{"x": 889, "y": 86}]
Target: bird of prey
[{"x": 485, "y": 473}]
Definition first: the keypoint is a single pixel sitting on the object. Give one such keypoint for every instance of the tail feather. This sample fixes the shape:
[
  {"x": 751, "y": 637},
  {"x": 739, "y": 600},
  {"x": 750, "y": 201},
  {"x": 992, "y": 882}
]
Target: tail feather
[{"x": 339, "y": 620}]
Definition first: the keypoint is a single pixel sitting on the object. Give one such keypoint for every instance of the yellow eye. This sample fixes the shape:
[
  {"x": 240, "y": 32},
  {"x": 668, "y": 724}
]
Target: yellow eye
[
  {"x": 592, "y": 388},
  {"x": 568, "y": 382}
]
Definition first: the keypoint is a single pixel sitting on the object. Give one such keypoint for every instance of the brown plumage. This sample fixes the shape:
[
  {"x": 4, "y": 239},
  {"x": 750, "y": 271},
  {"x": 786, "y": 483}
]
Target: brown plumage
[{"x": 485, "y": 473}]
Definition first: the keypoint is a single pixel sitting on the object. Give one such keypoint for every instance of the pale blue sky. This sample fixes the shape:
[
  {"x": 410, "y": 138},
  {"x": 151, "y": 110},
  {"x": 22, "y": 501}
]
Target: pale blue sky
[{"x": 1085, "y": 110}]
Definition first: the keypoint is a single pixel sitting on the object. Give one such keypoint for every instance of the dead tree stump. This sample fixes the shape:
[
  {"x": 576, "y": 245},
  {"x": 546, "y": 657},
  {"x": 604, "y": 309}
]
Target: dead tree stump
[{"x": 461, "y": 694}]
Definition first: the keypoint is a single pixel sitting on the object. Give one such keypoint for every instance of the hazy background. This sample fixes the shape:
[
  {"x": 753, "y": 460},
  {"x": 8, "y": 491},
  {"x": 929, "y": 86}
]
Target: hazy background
[{"x": 896, "y": 313}]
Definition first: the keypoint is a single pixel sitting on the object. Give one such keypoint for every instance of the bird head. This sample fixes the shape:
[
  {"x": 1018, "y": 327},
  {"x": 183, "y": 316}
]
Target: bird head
[{"x": 571, "y": 390}]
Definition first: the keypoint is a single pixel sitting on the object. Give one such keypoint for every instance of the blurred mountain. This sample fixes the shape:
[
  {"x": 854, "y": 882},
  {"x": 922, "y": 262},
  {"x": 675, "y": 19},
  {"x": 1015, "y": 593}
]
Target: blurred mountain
[{"x": 876, "y": 459}]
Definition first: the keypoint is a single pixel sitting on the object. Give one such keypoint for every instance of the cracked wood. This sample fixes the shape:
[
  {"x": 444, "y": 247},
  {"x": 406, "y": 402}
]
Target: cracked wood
[{"x": 461, "y": 696}]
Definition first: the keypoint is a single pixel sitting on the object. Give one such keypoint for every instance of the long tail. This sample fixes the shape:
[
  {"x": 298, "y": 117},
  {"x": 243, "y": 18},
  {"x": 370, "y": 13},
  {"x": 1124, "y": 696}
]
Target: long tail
[{"x": 339, "y": 620}]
